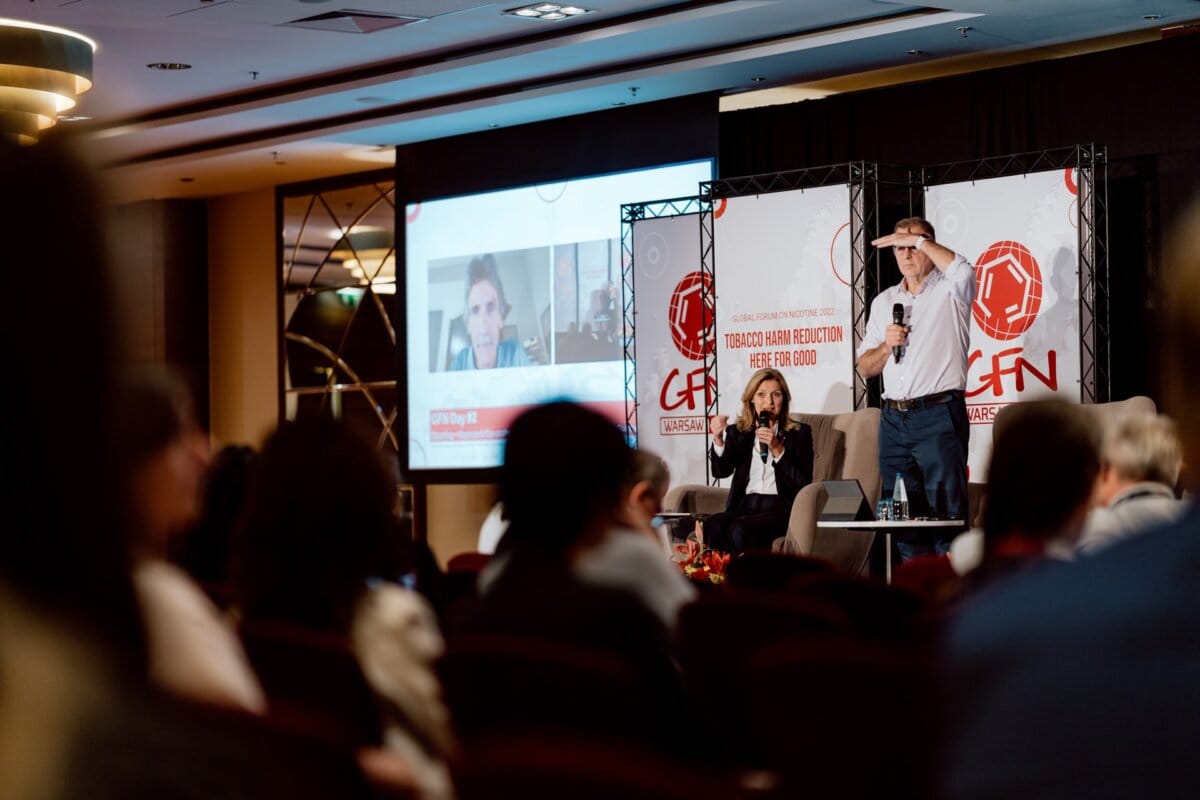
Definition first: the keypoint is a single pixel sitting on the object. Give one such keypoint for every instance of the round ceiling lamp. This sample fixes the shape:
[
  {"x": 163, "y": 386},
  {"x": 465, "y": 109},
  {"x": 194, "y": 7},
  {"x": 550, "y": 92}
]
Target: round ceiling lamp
[{"x": 42, "y": 70}]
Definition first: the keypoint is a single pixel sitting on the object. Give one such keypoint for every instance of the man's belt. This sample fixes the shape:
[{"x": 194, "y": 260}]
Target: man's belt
[{"x": 914, "y": 403}]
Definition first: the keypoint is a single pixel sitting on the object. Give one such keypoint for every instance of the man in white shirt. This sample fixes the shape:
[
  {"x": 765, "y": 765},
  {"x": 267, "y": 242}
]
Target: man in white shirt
[{"x": 917, "y": 336}]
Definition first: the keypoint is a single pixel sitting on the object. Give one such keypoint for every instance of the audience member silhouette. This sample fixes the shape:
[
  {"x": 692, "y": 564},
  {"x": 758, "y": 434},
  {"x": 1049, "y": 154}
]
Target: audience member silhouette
[
  {"x": 71, "y": 626},
  {"x": 1141, "y": 457},
  {"x": 1077, "y": 680},
  {"x": 77, "y": 717},
  {"x": 319, "y": 549},
  {"x": 632, "y": 555},
  {"x": 64, "y": 553},
  {"x": 164, "y": 454},
  {"x": 1044, "y": 463},
  {"x": 206, "y": 551},
  {"x": 559, "y": 502}
]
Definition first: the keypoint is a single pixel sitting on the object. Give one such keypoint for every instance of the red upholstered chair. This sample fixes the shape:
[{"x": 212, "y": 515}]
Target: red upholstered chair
[
  {"x": 313, "y": 682},
  {"x": 878, "y": 611},
  {"x": 716, "y": 635},
  {"x": 931, "y": 577},
  {"x": 769, "y": 571},
  {"x": 467, "y": 562},
  {"x": 460, "y": 584},
  {"x": 563, "y": 765},
  {"x": 496, "y": 684},
  {"x": 846, "y": 719}
]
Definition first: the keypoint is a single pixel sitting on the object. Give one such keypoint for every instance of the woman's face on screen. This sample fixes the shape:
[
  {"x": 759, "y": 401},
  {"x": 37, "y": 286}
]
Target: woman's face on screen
[{"x": 484, "y": 322}]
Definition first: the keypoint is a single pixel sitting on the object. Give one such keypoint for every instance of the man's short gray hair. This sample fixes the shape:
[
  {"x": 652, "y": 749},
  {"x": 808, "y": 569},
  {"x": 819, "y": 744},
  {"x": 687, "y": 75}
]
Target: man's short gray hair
[
  {"x": 649, "y": 467},
  {"x": 1144, "y": 447}
]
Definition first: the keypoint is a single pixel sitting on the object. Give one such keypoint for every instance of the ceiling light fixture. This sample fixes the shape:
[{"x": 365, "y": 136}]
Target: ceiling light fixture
[
  {"x": 42, "y": 71},
  {"x": 168, "y": 65},
  {"x": 369, "y": 254},
  {"x": 380, "y": 154},
  {"x": 548, "y": 11},
  {"x": 916, "y": 52}
]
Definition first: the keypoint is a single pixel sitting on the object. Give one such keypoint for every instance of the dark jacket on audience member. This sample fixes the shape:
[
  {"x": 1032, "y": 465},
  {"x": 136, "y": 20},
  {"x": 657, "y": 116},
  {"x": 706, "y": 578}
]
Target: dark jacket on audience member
[{"x": 537, "y": 598}]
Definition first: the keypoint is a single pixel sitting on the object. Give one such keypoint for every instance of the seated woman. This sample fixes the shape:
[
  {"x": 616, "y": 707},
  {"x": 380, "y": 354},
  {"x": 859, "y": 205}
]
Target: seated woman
[{"x": 770, "y": 457}]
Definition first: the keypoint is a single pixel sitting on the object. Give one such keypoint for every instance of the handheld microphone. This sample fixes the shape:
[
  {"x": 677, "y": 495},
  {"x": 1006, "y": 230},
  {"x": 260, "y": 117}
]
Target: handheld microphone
[
  {"x": 764, "y": 421},
  {"x": 898, "y": 319}
]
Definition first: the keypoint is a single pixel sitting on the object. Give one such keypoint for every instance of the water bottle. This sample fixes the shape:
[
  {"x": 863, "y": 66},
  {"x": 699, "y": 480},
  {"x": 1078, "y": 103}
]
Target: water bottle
[{"x": 899, "y": 498}]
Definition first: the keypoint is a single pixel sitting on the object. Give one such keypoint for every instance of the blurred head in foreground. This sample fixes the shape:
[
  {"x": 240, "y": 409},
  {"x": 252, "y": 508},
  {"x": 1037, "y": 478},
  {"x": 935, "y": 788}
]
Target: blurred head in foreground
[
  {"x": 320, "y": 523},
  {"x": 1045, "y": 459},
  {"x": 64, "y": 547},
  {"x": 164, "y": 454},
  {"x": 564, "y": 469}
]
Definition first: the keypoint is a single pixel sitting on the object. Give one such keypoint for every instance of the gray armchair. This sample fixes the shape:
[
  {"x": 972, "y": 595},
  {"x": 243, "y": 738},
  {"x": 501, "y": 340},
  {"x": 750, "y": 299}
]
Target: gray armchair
[{"x": 844, "y": 446}]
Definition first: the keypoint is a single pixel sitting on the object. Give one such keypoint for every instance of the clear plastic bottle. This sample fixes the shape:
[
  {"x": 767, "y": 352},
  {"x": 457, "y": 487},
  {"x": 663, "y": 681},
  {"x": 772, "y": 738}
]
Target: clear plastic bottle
[{"x": 899, "y": 498}]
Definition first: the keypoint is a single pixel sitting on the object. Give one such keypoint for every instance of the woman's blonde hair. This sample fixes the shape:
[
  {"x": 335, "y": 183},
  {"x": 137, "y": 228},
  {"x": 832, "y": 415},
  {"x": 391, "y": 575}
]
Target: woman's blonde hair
[{"x": 748, "y": 420}]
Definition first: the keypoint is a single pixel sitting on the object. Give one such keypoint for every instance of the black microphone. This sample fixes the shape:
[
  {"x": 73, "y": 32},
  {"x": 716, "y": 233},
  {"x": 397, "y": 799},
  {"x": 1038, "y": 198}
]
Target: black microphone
[
  {"x": 764, "y": 421},
  {"x": 898, "y": 319}
]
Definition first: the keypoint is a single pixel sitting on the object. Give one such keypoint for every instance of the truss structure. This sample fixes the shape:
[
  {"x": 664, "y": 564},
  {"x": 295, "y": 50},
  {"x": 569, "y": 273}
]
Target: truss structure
[
  {"x": 862, "y": 180},
  {"x": 1090, "y": 163},
  {"x": 630, "y": 214}
]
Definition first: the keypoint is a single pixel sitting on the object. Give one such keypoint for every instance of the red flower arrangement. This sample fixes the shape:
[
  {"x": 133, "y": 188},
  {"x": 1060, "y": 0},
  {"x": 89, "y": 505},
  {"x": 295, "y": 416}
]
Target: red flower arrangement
[{"x": 701, "y": 563}]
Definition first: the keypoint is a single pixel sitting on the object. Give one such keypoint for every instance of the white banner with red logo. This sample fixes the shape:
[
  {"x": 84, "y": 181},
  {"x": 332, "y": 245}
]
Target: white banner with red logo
[
  {"x": 673, "y": 328},
  {"x": 784, "y": 296},
  {"x": 1021, "y": 234}
]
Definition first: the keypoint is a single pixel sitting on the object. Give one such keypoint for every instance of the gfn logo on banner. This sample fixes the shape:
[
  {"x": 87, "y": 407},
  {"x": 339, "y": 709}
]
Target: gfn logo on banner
[
  {"x": 690, "y": 315},
  {"x": 690, "y": 318},
  {"x": 1007, "y": 301},
  {"x": 1010, "y": 290}
]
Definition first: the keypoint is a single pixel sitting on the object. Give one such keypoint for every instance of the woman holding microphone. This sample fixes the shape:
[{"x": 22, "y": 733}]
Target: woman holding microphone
[{"x": 770, "y": 457}]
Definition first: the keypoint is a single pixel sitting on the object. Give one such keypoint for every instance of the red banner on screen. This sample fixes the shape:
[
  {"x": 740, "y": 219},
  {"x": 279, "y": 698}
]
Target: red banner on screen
[{"x": 492, "y": 424}]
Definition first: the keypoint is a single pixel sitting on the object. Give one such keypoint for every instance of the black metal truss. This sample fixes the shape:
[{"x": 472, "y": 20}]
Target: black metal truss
[
  {"x": 862, "y": 179},
  {"x": 1090, "y": 163},
  {"x": 1094, "y": 331},
  {"x": 864, "y": 263},
  {"x": 630, "y": 214},
  {"x": 708, "y": 299},
  {"x": 1001, "y": 166}
]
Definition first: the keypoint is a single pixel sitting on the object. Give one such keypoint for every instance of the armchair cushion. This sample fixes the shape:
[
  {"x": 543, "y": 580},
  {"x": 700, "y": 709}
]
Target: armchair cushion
[
  {"x": 696, "y": 498},
  {"x": 844, "y": 446}
]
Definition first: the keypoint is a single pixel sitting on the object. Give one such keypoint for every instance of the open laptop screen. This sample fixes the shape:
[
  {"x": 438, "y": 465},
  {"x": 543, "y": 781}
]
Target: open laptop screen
[{"x": 846, "y": 502}]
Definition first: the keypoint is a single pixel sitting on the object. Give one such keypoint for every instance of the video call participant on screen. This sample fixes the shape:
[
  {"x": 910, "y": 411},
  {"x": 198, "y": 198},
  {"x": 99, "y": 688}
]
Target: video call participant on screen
[
  {"x": 923, "y": 429},
  {"x": 769, "y": 463},
  {"x": 486, "y": 312}
]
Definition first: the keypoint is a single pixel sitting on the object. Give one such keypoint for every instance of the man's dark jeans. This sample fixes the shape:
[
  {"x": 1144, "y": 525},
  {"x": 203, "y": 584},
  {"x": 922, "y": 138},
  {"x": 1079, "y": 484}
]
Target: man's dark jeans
[{"x": 928, "y": 447}]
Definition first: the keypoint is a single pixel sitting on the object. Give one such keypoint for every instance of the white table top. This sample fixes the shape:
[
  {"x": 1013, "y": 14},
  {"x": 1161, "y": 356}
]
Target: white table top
[{"x": 891, "y": 524}]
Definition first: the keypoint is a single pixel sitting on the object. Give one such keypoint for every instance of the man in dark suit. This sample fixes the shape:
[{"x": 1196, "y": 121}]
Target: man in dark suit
[{"x": 769, "y": 462}]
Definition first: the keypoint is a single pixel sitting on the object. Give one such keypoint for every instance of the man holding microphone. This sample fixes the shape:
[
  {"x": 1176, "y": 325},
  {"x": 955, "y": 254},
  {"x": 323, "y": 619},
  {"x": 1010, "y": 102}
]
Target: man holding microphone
[{"x": 917, "y": 336}]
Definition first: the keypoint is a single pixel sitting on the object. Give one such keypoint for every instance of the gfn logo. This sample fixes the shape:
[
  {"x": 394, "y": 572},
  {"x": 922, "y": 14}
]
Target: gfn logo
[
  {"x": 1010, "y": 290},
  {"x": 690, "y": 315}
]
